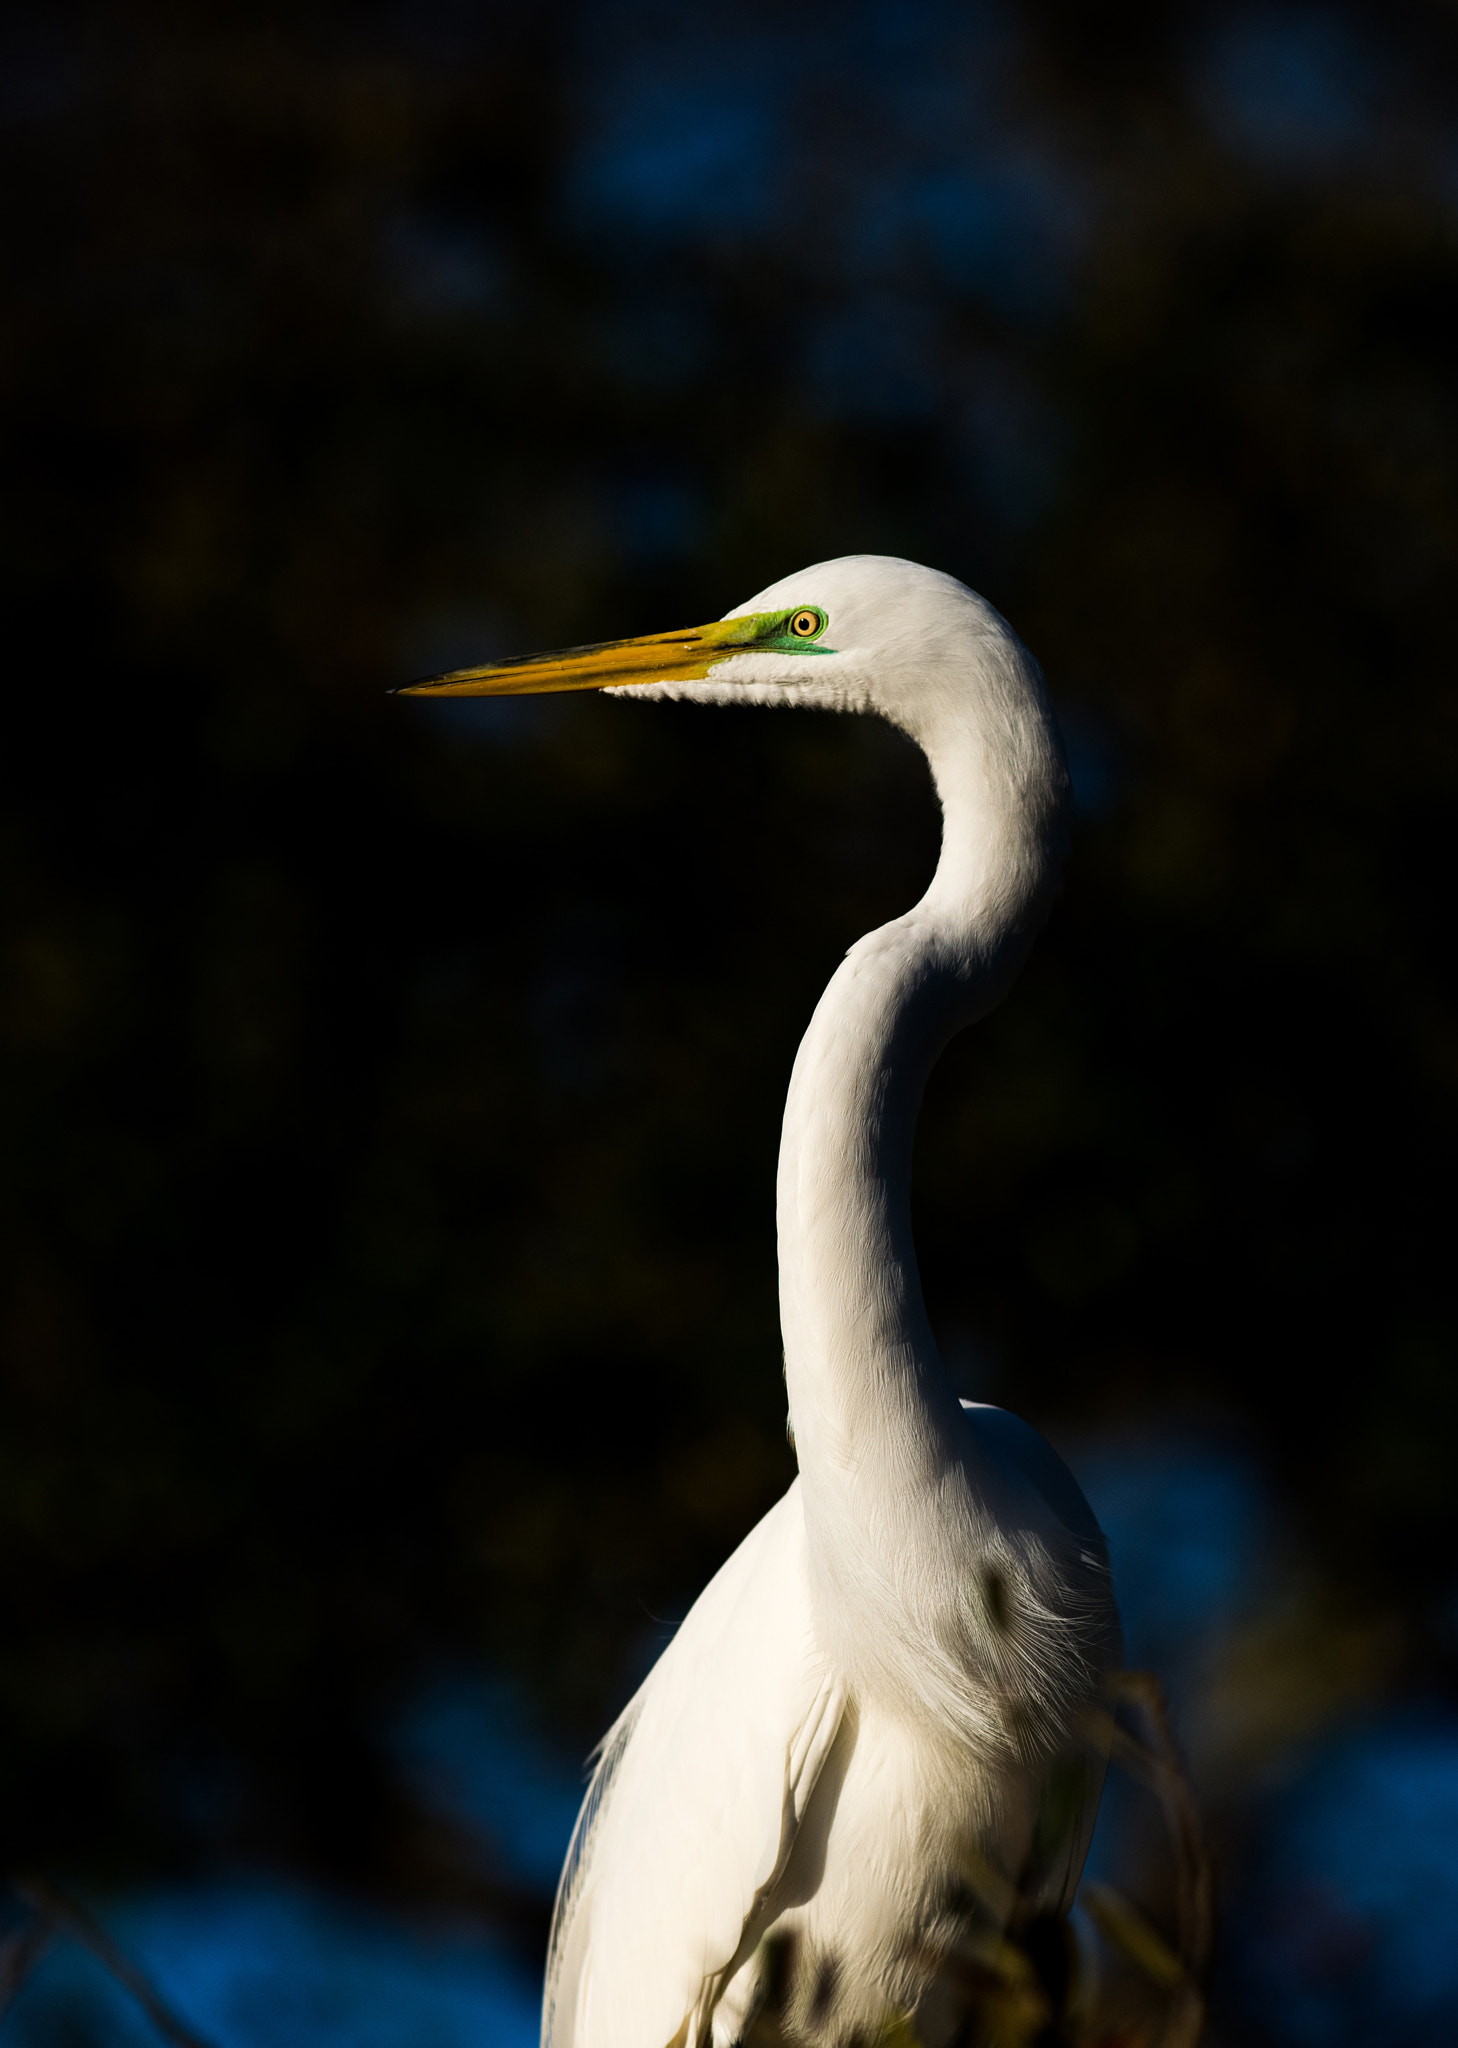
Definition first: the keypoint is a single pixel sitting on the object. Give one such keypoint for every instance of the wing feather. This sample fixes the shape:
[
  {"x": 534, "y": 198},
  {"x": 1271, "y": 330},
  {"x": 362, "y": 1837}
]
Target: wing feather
[
  {"x": 610, "y": 1753},
  {"x": 694, "y": 1805}
]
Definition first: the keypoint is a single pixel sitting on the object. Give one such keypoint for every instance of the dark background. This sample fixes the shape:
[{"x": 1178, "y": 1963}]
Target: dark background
[{"x": 391, "y": 1092}]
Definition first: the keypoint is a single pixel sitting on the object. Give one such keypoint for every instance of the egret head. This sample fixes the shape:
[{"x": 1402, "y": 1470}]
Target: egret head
[{"x": 862, "y": 633}]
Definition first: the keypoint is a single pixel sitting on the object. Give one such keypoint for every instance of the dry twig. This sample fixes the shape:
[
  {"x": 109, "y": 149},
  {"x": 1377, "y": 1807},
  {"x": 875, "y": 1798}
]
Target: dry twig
[{"x": 57, "y": 1913}]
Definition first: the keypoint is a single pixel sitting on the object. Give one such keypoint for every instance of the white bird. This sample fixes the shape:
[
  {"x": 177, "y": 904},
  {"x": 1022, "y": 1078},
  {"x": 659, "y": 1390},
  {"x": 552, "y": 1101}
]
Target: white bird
[{"x": 873, "y": 1745}]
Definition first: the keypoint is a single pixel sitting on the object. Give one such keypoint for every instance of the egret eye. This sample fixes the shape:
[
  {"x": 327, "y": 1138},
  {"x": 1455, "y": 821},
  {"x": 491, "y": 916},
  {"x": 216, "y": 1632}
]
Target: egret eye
[{"x": 807, "y": 623}]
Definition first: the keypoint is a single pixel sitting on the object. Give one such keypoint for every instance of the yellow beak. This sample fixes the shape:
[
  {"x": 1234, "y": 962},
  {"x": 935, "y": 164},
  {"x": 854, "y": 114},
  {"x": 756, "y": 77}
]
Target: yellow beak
[{"x": 682, "y": 657}]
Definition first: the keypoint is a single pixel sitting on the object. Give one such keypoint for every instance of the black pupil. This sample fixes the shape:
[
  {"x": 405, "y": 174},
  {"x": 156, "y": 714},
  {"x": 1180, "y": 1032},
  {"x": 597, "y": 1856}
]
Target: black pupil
[{"x": 804, "y": 622}]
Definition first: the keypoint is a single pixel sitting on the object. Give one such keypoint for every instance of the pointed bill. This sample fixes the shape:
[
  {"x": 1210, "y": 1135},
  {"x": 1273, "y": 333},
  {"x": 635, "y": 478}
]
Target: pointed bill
[{"x": 682, "y": 657}]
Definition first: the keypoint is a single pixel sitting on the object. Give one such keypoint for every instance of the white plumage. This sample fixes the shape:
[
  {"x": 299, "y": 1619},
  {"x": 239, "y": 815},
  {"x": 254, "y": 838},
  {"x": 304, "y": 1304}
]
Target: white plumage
[{"x": 874, "y": 1739}]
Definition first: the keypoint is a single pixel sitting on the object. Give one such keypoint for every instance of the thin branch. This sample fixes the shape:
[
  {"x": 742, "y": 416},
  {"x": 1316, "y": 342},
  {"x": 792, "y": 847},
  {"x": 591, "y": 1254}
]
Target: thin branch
[
  {"x": 1157, "y": 1760},
  {"x": 19, "y": 1953},
  {"x": 63, "y": 1914}
]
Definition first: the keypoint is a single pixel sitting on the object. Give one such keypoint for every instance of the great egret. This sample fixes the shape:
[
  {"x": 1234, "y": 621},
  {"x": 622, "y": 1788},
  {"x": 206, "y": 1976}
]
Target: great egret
[{"x": 875, "y": 1735}]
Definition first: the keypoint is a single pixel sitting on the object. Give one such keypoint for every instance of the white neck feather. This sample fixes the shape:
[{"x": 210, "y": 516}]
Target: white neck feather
[{"x": 880, "y": 1437}]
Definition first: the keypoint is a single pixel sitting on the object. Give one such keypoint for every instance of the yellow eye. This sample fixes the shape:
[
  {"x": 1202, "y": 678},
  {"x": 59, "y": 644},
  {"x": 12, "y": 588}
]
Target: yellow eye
[{"x": 806, "y": 624}]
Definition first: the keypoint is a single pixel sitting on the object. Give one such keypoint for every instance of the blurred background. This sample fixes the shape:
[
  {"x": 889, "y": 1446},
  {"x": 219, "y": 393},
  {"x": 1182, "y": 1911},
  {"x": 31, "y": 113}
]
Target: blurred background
[{"x": 388, "y": 1342}]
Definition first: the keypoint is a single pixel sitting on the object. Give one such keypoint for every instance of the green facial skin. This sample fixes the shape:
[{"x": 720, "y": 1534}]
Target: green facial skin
[{"x": 770, "y": 631}]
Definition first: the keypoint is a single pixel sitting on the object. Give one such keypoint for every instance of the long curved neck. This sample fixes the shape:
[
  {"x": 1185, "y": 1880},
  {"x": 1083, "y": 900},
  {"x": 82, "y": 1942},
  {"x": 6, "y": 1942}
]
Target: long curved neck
[{"x": 871, "y": 1406}]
